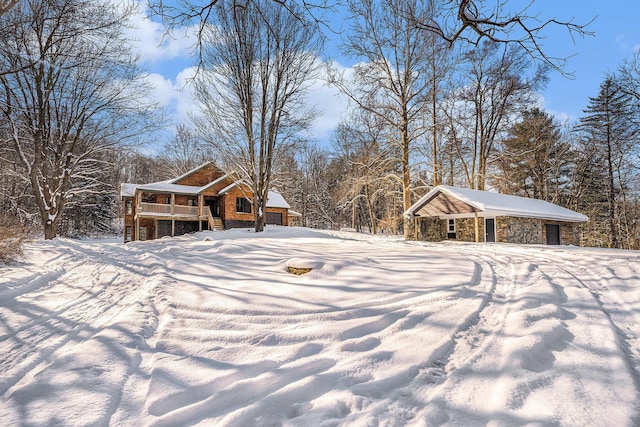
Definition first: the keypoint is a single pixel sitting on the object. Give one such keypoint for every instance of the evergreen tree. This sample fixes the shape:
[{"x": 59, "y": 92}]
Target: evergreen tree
[
  {"x": 611, "y": 127},
  {"x": 535, "y": 160}
]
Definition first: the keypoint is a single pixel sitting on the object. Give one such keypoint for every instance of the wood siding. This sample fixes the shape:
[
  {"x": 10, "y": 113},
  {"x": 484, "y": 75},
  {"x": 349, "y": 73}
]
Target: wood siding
[{"x": 202, "y": 176}]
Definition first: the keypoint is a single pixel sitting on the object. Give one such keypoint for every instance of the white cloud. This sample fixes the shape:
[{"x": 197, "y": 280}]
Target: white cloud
[
  {"x": 332, "y": 106},
  {"x": 331, "y": 103},
  {"x": 184, "y": 100},
  {"x": 150, "y": 39},
  {"x": 176, "y": 94}
]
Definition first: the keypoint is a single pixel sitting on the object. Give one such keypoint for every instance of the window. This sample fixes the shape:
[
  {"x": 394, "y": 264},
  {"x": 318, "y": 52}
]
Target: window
[
  {"x": 143, "y": 233},
  {"x": 451, "y": 228},
  {"x": 127, "y": 235},
  {"x": 167, "y": 200},
  {"x": 243, "y": 205},
  {"x": 191, "y": 202},
  {"x": 129, "y": 207}
]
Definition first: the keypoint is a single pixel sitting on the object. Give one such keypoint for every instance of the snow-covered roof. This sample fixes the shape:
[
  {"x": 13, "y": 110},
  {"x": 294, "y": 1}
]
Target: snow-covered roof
[
  {"x": 294, "y": 213},
  {"x": 275, "y": 200},
  {"x": 127, "y": 190},
  {"x": 230, "y": 186},
  {"x": 446, "y": 201},
  {"x": 170, "y": 188}
]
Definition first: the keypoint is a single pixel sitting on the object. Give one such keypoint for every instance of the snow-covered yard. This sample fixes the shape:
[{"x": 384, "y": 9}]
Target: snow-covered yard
[{"x": 211, "y": 329}]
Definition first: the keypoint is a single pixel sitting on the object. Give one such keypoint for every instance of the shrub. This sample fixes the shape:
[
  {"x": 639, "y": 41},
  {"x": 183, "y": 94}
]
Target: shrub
[{"x": 12, "y": 237}]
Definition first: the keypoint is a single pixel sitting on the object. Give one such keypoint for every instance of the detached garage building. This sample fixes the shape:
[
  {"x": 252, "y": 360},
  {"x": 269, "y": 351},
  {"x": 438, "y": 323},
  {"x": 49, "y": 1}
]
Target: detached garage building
[{"x": 471, "y": 215}]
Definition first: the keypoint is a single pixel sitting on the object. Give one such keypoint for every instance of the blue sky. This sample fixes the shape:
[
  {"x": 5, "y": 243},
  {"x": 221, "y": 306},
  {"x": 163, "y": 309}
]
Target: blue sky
[{"x": 617, "y": 36}]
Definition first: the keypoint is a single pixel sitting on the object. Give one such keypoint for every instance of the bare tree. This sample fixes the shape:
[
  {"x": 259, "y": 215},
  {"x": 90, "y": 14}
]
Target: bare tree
[
  {"x": 252, "y": 90},
  {"x": 84, "y": 95},
  {"x": 500, "y": 83},
  {"x": 473, "y": 21},
  {"x": 6, "y": 5},
  {"x": 467, "y": 20},
  {"x": 185, "y": 151},
  {"x": 361, "y": 142},
  {"x": 394, "y": 81}
]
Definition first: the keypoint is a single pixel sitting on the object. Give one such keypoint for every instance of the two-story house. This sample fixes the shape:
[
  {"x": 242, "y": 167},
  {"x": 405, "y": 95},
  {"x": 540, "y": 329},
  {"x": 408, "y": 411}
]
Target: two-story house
[{"x": 205, "y": 198}]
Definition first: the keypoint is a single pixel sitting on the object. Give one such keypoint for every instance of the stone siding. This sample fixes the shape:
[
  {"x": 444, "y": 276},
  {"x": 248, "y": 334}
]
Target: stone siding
[
  {"x": 520, "y": 230},
  {"x": 239, "y": 224},
  {"x": 508, "y": 230},
  {"x": 431, "y": 229},
  {"x": 180, "y": 227},
  {"x": 465, "y": 229}
]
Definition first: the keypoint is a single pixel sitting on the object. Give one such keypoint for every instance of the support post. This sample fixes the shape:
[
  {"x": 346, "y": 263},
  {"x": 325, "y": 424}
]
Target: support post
[
  {"x": 200, "y": 210},
  {"x": 138, "y": 208},
  {"x": 475, "y": 226}
]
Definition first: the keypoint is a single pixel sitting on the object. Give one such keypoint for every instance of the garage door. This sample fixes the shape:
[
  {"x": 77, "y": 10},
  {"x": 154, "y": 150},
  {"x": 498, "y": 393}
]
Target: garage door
[
  {"x": 274, "y": 218},
  {"x": 553, "y": 234}
]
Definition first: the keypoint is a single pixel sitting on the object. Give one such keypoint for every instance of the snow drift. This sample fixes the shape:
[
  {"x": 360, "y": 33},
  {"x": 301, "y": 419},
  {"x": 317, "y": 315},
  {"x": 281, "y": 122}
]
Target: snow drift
[{"x": 211, "y": 329}]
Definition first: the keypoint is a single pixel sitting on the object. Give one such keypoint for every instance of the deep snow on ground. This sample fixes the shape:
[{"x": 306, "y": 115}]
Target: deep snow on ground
[{"x": 211, "y": 329}]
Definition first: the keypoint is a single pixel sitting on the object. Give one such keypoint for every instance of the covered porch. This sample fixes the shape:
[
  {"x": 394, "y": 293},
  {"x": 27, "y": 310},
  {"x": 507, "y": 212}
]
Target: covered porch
[{"x": 160, "y": 213}]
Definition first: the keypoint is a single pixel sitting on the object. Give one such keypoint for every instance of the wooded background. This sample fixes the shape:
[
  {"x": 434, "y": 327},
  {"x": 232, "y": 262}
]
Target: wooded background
[{"x": 439, "y": 96}]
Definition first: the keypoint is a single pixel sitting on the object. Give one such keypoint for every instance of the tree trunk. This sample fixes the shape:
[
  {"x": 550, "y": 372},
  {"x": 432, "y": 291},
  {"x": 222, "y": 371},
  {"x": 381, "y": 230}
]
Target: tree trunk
[
  {"x": 50, "y": 230},
  {"x": 372, "y": 216},
  {"x": 258, "y": 209},
  {"x": 406, "y": 179},
  {"x": 611, "y": 190},
  {"x": 434, "y": 131}
]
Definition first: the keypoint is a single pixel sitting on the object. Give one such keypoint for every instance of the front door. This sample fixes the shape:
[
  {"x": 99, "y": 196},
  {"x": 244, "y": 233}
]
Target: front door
[
  {"x": 490, "y": 230},
  {"x": 214, "y": 206}
]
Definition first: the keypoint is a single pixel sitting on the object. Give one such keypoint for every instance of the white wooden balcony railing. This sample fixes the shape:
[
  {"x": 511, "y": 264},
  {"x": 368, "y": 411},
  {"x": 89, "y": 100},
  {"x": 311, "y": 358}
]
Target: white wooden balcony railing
[{"x": 160, "y": 208}]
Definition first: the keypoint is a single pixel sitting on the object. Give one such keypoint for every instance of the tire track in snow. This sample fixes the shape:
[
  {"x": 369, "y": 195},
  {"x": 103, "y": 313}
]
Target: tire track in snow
[
  {"x": 484, "y": 286},
  {"x": 481, "y": 347},
  {"x": 44, "y": 324},
  {"x": 81, "y": 316},
  {"x": 624, "y": 337},
  {"x": 472, "y": 343},
  {"x": 357, "y": 328},
  {"x": 534, "y": 329}
]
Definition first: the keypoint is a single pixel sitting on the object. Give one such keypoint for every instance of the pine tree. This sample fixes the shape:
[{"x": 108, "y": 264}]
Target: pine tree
[
  {"x": 611, "y": 127},
  {"x": 534, "y": 159}
]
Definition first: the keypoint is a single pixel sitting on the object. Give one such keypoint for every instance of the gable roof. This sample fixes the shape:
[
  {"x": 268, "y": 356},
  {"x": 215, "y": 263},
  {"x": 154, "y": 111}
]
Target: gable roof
[
  {"x": 446, "y": 201},
  {"x": 129, "y": 190},
  {"x": 275, "y": 200},
  {"x": 192, "y": 171}
]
